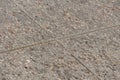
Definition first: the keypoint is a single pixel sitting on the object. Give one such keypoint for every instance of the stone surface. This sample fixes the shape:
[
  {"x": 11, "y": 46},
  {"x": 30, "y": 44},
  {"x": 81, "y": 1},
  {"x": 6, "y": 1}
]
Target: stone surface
[{"x": 59, "y": 40}]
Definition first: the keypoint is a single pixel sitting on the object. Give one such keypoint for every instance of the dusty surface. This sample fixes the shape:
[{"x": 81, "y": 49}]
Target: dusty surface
[{"x": 59, "y": 39}]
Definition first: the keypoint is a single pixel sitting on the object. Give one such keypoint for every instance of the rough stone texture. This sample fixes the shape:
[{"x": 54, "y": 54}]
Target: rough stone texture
[{"x": 59, "y": 39}]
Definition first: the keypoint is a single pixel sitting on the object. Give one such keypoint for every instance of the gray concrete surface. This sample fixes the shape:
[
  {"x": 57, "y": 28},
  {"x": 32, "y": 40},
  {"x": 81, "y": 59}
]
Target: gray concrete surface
[{"x": 59, "y": 39}]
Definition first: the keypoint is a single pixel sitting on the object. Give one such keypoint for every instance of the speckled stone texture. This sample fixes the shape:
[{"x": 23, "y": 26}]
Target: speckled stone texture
[{"x": 59, "y": 39}]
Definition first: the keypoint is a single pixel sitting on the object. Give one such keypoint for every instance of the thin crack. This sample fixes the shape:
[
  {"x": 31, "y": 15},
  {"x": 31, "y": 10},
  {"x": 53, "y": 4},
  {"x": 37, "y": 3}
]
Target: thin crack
[
  {"x": 78, "y": 60},
  {"x": 58, "y": 38},
  {"x": 37, "y": 43},
  {"x": 85, "y": 66},
  {"x": 27, "y": 14},
  {"x": 54, "y": 39},
  {"x": 107, "y": 58}
]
